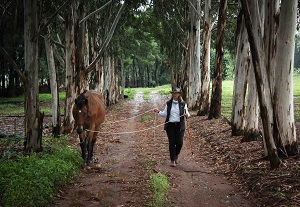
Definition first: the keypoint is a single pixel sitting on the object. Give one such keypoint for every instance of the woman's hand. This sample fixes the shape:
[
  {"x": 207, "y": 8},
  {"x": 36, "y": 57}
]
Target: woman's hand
[
  {"x": 156, "y": 110},
  {"x": 186, "y": 115}
]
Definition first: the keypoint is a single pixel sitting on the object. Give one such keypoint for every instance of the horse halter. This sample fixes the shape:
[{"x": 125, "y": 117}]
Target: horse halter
[{"x": 80, "y": 102}]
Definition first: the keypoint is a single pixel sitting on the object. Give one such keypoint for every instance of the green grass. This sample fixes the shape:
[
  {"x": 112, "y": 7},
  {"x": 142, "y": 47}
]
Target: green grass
[
  {"x": 159, "y": 186},
  {"x": 163, "y": 90},
  {"x": 43, "y": 97},
  {"x": 297, "y": 97},
  {"x": 146, "y": 94},
  {"x": 17, "y": 108},
  {"x": 146, "y": 118},
  {"x": 34, "y": 180},
  {"x": 227, "y": 93}
]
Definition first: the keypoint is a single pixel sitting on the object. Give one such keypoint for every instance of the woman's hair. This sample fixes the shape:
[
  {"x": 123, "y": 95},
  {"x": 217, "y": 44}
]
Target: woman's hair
[{"x": 181, "y": 99}]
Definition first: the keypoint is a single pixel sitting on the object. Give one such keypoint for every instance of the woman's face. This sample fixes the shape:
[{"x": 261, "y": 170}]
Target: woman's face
[{"x": 175, "y": 96}]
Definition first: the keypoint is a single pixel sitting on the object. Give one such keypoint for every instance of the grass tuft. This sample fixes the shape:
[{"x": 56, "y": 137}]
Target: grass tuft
[{"x": 160, "y": 186}]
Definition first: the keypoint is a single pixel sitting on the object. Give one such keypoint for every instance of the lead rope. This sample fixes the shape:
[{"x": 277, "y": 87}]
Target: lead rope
[{"x": 128, "y": 132}]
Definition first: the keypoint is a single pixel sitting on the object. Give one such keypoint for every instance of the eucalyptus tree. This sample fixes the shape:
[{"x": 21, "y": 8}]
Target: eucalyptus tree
[
  {"x": 275, "y": 97},
  {"x": 194, "y": 74},
  {"x": 172, "y": 16},
  {"x": 205, "y": 74},
  {"x": 216, "y": 97},
  {"x": 33, "y": 116},
  {"x": 79, "y": 64},
  {"x": 56, "y": 122},
  {"x": 283, "y": 90},
  {"x": 241, "y": 70}
]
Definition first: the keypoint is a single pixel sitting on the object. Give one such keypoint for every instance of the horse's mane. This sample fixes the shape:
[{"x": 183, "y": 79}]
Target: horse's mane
[{"x": 81, "y": 100}]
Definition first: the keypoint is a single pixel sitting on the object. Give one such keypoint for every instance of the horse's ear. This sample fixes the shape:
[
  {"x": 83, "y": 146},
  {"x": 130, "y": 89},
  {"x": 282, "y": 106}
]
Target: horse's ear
[
  {"x": 76, "y": 101},
  {"x": 86, "y": 101}
]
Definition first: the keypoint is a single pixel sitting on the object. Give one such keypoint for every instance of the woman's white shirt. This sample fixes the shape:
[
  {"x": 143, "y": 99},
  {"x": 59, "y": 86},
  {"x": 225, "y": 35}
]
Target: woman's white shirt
[{"x": 174, "y": 113}]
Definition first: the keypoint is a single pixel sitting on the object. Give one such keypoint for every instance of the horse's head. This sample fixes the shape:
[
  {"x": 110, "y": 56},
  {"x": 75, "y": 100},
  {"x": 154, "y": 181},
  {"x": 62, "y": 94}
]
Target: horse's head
[{"x": 80, "y": 111}]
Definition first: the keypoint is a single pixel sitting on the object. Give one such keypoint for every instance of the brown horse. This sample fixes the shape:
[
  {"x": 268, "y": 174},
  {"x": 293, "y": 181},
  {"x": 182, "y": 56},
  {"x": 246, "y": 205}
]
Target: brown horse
[{"x": 89, "y": 113}]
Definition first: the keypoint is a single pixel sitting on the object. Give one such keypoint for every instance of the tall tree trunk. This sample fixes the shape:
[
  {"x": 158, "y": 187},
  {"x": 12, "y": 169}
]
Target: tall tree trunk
[
  {"x": 251, "y": 131},
  {"x": 216, "y": 97},
  {"x": 271, "y": 11},
  {"x": 194, "y": 50},
  {"x": 242, "y": 64},
  {"x": 122, "y": 77},
  {"x": 263, "y": 89},
  {"x": 54, "y": 88},
  {"x": 70, "y": 62},
  {"x": 33, "y": 117},
  {"x": 205, "y": 76},
  {"x": 283, "y": 98},
  {"x": 81, "y": 76}
]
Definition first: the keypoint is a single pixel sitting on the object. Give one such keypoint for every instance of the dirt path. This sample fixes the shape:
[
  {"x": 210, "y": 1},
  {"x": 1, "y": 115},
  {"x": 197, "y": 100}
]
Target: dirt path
[{"x": 119, "y": 176}]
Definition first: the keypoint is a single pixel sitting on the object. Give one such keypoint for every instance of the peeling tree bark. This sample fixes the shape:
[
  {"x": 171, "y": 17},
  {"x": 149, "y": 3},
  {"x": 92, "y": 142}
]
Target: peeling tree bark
[
  {"x": 194, "y": 50},
  {"x": 70, "y": 62},
  {"x": 242, "y": 64},
  {"x": 283, "y": 96},
  {"x": 205, "y": 75},
  {"x": 33, "y": 117},
  {"x": 216, "y": 97},
  {"x": 263, "y": 88},
  {"x": 54, "y": 89}
]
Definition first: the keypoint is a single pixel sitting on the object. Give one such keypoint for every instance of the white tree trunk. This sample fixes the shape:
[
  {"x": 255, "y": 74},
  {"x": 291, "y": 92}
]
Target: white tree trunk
[
  {"x": 242, "y": 64},
  {"x": 53, "y": 82},
  {"x": 205, "y": 78},
  {"x": 261, "y": 77},
  {"x": 284, "y": 105},
  {"x": 70, "y": 69},
  {"x": 251, "y": 131},
  {"x": 194, "y": 49},
  {"x": 271, "y": 10}
]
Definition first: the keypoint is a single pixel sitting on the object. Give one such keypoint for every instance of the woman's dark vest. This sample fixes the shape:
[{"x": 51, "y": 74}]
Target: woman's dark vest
[{"x": 181, "y": 111}]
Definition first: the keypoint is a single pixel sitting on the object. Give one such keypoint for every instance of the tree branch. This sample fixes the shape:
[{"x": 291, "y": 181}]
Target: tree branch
[
  {"x": 50, "y": 20},
  {"x": 108, "y": 38},
  {"x": 97, "y": 10},
  {"x": 13, "y": 63}
]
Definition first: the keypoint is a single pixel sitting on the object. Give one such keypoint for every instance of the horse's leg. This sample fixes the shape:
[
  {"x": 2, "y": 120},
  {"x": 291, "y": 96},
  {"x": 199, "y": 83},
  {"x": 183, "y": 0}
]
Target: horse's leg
[
  {"x": 93, "y": 141},
  {"x": 83, "y": 145},
  {"x": 90, "y": 145}
]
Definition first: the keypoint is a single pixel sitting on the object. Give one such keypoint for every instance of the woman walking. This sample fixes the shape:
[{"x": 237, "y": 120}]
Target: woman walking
[{"x": 175, "y": 112}]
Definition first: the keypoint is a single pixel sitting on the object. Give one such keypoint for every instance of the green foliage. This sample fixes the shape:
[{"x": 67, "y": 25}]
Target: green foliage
[
  {"x": 33, "y": 180},
  {"x": 297, "y": 54},
  {"x": 160, "y": 186},
  {"x": 228, "y": 66},
  {"x": 130, "y": 93}
]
